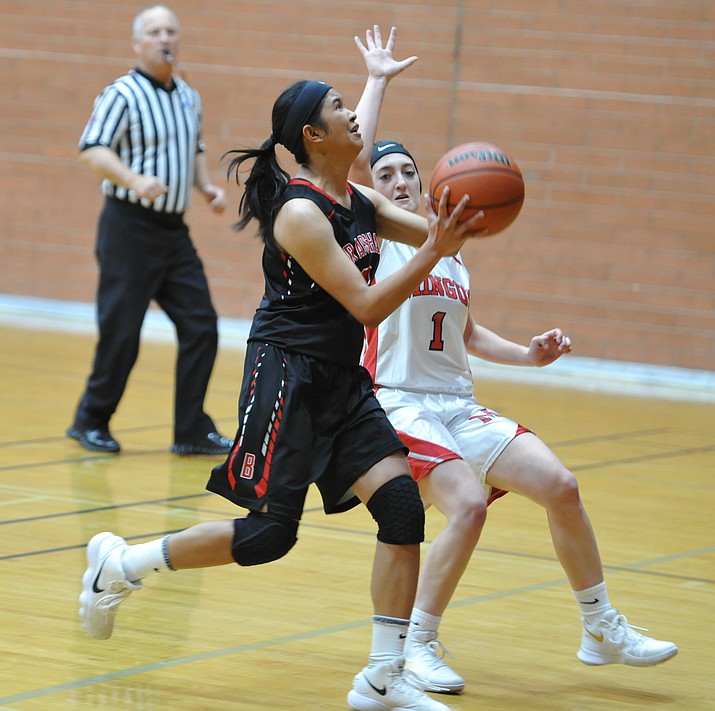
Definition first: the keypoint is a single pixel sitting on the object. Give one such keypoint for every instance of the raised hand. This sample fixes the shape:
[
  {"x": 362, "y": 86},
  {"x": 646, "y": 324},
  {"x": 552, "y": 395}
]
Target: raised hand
[
  {"x": 548, "y": 347},
  {"x": 379, "y": 60}
]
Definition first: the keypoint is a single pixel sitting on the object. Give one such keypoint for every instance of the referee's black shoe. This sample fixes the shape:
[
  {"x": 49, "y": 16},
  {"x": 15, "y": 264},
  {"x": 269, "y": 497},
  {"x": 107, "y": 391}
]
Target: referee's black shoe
[
  {"x": 95, "y": 440},
  {"x": 212, "y": 443}
]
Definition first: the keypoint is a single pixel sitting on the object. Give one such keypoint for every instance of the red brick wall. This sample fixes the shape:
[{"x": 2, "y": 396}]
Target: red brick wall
[{"x": 609, "y": 109}]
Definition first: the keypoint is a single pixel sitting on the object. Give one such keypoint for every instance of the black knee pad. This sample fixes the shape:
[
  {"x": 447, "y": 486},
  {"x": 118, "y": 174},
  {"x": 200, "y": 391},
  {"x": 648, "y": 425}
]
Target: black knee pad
[
  {"x": 262, "y": 537},
  {"x": 399, "y": 512}
]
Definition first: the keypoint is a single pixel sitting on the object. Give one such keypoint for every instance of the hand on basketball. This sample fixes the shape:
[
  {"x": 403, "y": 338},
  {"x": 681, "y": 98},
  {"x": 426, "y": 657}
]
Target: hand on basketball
[
  {"x": 378, "y": 59},
  {"x": 489, "y": 176},
  {"x": 445, "y": 228},
  {"x": 548, "y": 347}
]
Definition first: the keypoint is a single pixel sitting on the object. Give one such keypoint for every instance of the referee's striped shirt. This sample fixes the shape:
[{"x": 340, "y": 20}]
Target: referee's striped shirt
[{"x": 154, "y": 131}]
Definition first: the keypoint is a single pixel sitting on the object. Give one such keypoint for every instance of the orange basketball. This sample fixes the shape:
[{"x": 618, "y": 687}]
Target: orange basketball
[{"x": 489, "y": 176}]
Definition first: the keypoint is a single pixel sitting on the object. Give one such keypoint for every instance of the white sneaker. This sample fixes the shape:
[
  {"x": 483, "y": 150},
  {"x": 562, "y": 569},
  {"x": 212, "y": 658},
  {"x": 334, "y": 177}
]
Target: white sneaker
[
  {"x": 425, "y": 665},
  {"x": 383, "y": 688},
  {"x": 612, "y": 640},
  {"x": 104, "y": 584}
]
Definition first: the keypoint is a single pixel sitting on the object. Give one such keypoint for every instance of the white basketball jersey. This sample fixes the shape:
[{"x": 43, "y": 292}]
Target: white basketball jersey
[{"x": 420, "y": 346}]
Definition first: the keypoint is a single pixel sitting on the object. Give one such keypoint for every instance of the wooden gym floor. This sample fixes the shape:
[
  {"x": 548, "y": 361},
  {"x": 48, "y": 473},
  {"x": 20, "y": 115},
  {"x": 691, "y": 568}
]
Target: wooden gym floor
[{"x": 290, "y": 635}]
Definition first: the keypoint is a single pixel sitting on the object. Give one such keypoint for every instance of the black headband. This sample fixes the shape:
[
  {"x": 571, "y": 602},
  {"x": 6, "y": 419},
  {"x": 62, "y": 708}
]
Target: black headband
[
  {"x": 302, "y": 108},
  {"x": 384, "y": 148}
]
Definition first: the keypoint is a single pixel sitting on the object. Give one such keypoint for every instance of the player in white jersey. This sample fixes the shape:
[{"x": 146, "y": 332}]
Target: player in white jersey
[
  {"x": 427, "y": 388},
  {"x": 464, "y": 455}
]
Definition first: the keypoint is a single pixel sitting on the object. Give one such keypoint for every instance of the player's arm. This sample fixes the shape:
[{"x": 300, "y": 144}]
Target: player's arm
[
  {"x": 381, "y": 68},
  {"x": 409, "y": 227},
  {"x": 303, "y": 232},
  {"x": 487, "y": 345},
  {"x": 401, "y": 225}
]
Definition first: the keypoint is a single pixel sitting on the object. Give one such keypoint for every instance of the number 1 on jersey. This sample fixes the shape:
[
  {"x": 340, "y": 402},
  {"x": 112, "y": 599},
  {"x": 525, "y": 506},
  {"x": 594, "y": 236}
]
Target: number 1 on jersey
[{"x": 437, "y": 342}]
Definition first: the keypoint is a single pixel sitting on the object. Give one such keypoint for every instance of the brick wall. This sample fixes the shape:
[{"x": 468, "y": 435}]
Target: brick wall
[{"x": 609, "y": 109}]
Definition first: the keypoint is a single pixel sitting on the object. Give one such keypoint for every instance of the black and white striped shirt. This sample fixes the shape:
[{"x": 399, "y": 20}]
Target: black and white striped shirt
[{"x": 154, "y": 131}]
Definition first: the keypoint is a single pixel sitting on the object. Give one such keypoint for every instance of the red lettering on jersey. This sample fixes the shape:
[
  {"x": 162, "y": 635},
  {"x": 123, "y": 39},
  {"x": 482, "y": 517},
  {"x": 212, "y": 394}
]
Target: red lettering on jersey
[
  {"x": 248, "y": 466},
  {"x": 462, "y": 294},
  {"x": 436, "y": 285},
  {"x": 440, "y": 286},
  {"x": 363, "y": 244}
]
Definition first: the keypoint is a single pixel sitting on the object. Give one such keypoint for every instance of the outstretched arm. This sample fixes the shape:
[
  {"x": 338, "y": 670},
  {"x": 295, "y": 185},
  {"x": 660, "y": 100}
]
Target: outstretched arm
[
  {"x": 487, "y": 345},
  {"x": 302, "y": 231},
  {"x": 381, "y": 68}
]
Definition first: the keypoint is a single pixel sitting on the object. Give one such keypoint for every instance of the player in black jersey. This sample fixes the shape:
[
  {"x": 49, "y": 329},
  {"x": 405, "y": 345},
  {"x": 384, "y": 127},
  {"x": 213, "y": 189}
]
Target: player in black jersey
[{"x": 307, "y": 411}]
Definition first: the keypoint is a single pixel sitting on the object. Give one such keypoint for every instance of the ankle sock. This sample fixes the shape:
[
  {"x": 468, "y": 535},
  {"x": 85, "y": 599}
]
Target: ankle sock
[
  {"x": 421, "y": 621},
  {"x": 388, "y": 638},
  {"x": 593, "y": 602},
  {"x": 140, "y": 560}
]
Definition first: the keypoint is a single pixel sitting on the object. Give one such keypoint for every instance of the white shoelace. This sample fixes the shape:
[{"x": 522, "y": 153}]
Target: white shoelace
[
  {"x": 620, "y": 630},
  {"x": 437, "y": 654}
]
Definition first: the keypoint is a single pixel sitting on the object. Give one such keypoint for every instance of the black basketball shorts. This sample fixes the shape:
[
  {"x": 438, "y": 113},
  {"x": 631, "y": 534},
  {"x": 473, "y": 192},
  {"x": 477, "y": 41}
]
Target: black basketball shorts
[{"x": 302, "y": 421}]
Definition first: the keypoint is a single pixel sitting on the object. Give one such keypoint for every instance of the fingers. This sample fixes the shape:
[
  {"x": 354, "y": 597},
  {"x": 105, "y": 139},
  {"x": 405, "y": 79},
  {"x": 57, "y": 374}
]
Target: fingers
[
  {"x": 373, "y": 39},
  {"x": 377, "y": 35},
  {"x": 468, "y": 225},
  {"x": 391, "y": 39},
  {"x": 556, "y": 338},
  {"x": 472, "y": 225}
]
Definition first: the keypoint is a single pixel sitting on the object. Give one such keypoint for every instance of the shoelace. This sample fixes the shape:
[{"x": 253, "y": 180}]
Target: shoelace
[
  {"x": 620, "y": 629},
  {"x": 438, "y": 653}
]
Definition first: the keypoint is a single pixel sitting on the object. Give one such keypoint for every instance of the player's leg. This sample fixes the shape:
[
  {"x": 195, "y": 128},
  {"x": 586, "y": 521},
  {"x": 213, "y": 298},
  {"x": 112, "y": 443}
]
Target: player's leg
[
  {"x": 115, "y": 568},
  {"x": 393, "y": 499},
  {"x": 528, "y": 467},
  {"x": 396, "y": 564},
  {"x": 454, "y": 489}
]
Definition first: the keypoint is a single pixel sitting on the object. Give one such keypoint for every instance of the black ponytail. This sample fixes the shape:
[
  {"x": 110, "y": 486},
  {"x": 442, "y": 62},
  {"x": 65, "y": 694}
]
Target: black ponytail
[
  {"x": 298, "y": 105},
  {"x": 263, "y": 187}
]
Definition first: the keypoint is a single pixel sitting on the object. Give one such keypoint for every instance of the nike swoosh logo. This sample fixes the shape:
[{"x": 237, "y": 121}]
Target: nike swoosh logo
[
  {"x": 95, "y": 588},
  {"x": 403, "y": 636},
  {"x": 592, "y": 602},
  {"x": 382, "y": 691},
  {"x": 380, "y": 149},
  {"x": 597, "y": 637}
]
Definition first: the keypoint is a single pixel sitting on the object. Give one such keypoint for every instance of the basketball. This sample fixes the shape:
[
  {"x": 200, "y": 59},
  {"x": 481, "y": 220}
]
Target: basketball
[{"x": 489, "y": 176}]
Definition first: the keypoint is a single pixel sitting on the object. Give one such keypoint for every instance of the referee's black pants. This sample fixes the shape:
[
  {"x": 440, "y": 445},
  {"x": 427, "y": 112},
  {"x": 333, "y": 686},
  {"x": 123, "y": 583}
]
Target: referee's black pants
[{"x": 144, "y": 255}]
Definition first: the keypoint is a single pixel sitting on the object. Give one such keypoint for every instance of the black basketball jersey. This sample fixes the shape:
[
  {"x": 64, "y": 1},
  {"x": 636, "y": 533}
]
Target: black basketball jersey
[{"x": 295, "y": 313}]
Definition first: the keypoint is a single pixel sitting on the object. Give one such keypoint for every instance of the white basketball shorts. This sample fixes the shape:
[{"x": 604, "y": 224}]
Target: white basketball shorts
[{"x": 438, "y": 427}]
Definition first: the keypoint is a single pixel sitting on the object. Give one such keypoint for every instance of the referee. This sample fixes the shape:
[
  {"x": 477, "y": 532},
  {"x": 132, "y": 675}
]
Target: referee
[{"x": 144, "y": 140}]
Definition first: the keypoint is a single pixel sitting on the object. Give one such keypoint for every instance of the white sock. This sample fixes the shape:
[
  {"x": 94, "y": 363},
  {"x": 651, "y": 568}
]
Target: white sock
[
  {"x": 388, "y": 638},
  {"x": 421, "y": 621},
  {"x": 142, "y": 559},
  {"x": 593, "y": 602}
]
